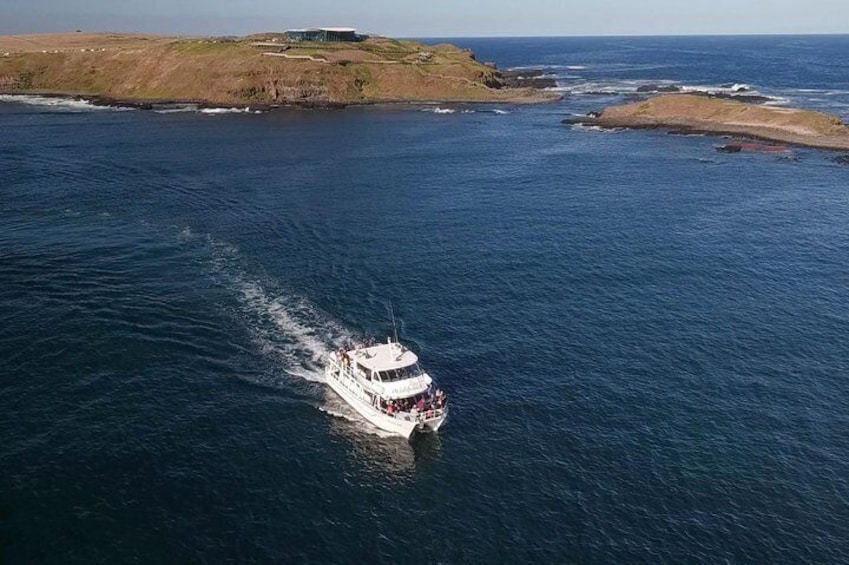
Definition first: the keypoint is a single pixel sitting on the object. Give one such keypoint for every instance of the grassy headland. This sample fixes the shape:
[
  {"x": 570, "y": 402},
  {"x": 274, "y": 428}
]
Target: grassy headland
[
  {"x": 255, "y": 70},
  {"x": 691, "y": 113}
]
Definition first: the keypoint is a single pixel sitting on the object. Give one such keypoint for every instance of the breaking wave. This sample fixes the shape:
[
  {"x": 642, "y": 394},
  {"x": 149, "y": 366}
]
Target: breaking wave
[
  {"x": 177, "y": 109},
  {"x": 595, "y": 129},
  {"x": 57, "y": 103},
  {"x": 446, "y": 111},
  {"x": 575, "y": 86},
  {"x": 216, "y": 111}
]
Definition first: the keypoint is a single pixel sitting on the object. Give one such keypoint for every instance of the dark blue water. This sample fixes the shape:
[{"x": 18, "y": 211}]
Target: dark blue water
[{"x": 645, "y": 342}]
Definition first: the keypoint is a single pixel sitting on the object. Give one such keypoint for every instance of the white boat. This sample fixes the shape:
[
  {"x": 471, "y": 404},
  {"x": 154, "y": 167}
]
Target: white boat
[{"x": 385, "y": 384}]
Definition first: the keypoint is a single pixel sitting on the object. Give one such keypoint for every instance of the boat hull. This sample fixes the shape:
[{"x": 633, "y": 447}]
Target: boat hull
[
  {"x": 404, "y": 424},
  {"x": 359, "y": 403}
]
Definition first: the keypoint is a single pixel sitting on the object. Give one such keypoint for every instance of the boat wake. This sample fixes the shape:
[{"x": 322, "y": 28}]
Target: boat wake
[
  {"x": 287, "y": 330},
  {"x": 339, "y": 409}
]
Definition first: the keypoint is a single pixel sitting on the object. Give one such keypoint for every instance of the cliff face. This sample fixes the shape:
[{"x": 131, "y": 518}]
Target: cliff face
[
  {"x": 689, "y": 112},
  {"x": 249, "y": 70}
]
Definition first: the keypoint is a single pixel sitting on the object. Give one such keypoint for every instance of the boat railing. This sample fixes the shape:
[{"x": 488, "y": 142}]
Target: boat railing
[
  {"x": 407, "y": 415},
  {"x": 424, "y": 415}
]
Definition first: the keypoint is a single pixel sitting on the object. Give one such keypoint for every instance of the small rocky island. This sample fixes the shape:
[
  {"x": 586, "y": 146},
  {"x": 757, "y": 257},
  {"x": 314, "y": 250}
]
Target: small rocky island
[
  {"x": 264, "y": 70},
  {"x": 687, "y": 113}
]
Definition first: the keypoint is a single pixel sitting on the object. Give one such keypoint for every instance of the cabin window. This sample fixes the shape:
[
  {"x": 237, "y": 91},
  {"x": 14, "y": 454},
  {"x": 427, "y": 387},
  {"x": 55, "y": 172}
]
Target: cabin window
[{"x": 399, "y": 374}]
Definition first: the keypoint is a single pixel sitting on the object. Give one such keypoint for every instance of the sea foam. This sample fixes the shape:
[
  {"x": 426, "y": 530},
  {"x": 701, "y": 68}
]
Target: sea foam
[{"x": 56, "y": 103}]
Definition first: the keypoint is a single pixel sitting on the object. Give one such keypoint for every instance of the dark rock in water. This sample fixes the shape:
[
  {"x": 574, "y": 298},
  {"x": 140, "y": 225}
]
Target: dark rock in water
[
  {"x": 532, "y": 78},
  {"x": 522, "y": 73},
  {"x": 115, "y": 102},
  {"x": 730, "y": 148},
  {"x": 750, "y": 98},
  {"x": 589, "y": 118},
  {"x": 656, "y": 88},
  {"x": 523, "y": 78},
  {"x": 322, "y": 105},
  {"x": 531, "y": 82},
  {"x": 756, "y": 146},
  {"x": 842, "y": 159}
]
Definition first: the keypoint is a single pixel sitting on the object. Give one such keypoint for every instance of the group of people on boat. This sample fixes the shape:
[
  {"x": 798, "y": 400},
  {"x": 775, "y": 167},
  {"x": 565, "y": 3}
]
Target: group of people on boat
[
  {"x": 351, "y": 346},
  {"x": 421, "y": 403}
]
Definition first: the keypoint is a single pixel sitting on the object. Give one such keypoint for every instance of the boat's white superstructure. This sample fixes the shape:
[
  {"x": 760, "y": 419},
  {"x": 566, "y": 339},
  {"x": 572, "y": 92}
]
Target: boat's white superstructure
[{"x": 385, "y": 384}]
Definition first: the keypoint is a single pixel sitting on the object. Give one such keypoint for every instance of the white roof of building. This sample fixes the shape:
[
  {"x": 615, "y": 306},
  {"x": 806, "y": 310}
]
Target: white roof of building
[
  {"x": 384, "y": 357},
  {"x": 336, "y": 29}
]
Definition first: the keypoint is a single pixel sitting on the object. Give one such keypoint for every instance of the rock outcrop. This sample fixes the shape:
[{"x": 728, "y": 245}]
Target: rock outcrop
[{"x": 698, "y": 114}]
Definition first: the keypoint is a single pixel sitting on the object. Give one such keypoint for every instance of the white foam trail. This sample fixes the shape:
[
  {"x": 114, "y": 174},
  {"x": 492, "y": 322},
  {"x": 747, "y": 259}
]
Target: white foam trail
[
  {"x": 500, "y": 112},
  {"x": 178, "y": 109},
  {"x": 216, "y": 111},
  {"x": 286, "y": 328},
  {"x": 57, "y": 103},
  {"x": 303, "y": 342},
  {"x": 439, "y": 110},
  {"x": 611, "y": 88},
  {"x": 338, "y": 408},
  {"x": 736, "y": 88},
  {"x": 595, "y": 129}
]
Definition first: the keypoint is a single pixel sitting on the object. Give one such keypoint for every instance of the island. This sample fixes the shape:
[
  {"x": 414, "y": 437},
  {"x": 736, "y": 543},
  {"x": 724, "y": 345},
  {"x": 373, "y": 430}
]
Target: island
[
  {"x": 689, "y": 113},
  {"x": 271, "y": 69}
]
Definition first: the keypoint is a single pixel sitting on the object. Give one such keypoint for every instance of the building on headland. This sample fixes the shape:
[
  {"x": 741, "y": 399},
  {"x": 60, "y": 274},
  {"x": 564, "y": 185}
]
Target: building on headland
[{"x": 324, "y": 34}]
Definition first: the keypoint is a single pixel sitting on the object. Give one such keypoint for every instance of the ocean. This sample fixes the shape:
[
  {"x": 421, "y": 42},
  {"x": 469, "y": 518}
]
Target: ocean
[{"x": 644, "y": 342}]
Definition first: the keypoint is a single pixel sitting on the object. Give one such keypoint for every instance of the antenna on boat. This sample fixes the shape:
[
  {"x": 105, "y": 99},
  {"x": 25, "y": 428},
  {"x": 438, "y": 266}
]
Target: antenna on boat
[{"x": 394, "y": 327}]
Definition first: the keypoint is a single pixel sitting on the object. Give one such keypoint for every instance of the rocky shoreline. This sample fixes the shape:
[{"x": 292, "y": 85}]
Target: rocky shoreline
[{"x": 166, "y": 104}]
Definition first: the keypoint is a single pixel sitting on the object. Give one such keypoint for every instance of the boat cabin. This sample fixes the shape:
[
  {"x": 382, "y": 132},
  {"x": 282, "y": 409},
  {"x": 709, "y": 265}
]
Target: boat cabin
[
  {"x": 386, "y": 362},
  {"x": 392, "y": 367}
]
